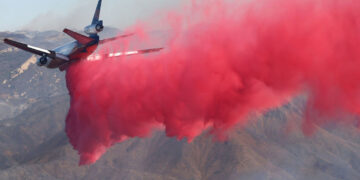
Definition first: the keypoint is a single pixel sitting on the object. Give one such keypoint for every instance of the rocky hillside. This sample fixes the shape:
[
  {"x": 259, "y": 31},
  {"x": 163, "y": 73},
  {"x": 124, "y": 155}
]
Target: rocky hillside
[{"x": 33, "y": 144}]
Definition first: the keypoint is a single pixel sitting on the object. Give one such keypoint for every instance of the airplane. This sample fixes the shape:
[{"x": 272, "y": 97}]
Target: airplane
[{"x": 81, "y": 48}]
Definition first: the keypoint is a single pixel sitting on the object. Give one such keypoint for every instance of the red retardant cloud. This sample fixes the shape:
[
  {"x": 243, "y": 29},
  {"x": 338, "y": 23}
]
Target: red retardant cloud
[{"x": 224, "y": 60}]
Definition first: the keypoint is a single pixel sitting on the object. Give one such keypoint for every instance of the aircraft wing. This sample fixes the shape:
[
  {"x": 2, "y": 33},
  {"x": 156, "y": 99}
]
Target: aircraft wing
[
  {"x": 144, "y": 51},
  {"x": 36, "y": 50},
  {"x": 28, "y": 48},
  {"x": 114, "y": 38},
  {"x": 124, "y": 53},
  {"x": 129, "y": 53}
]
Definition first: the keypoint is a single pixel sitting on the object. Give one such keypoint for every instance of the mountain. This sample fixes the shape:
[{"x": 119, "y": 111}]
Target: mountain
[
  {"x": 21, "y": 81},
  {"x": 33, "y": 144}
]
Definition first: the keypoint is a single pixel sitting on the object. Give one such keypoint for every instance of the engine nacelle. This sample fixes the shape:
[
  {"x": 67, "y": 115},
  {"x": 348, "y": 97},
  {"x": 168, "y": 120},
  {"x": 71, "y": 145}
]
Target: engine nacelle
[
  {"x": 94, "y": 28},
  {"x": 43, "y": 61}
]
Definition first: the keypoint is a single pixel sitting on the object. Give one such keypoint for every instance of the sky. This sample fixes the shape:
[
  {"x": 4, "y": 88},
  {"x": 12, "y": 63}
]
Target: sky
[{"x": 57, "y": 14}]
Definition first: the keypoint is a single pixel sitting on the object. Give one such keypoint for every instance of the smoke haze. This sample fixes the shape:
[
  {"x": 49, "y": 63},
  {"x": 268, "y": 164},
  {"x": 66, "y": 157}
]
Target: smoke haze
[{"x": 119, "y": 14}]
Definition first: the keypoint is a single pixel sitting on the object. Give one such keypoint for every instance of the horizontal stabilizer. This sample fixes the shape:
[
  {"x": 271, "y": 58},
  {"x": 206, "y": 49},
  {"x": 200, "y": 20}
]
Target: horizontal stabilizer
[{"x": 82, "y": 39}]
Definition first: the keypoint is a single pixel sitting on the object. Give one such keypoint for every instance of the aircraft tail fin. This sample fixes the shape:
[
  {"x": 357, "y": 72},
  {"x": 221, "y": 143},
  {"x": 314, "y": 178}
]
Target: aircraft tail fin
[
  {"x": 79, "y": 37},
  {"x": 97, "y": 13}
]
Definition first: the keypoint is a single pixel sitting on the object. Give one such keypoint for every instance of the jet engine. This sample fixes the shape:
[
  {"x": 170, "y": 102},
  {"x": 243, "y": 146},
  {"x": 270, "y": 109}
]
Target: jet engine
[
  {"x": 94, "y": 28},
  {"x": 43, "y": 60}
]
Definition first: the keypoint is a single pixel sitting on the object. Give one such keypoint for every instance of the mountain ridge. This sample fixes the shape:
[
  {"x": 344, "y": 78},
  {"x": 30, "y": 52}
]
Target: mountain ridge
[{"x": 33, "y": 143}]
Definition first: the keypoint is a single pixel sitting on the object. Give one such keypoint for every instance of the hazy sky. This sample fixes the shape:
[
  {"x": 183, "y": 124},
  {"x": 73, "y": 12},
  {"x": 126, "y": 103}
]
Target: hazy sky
[{"x": 57, "y": 14}]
